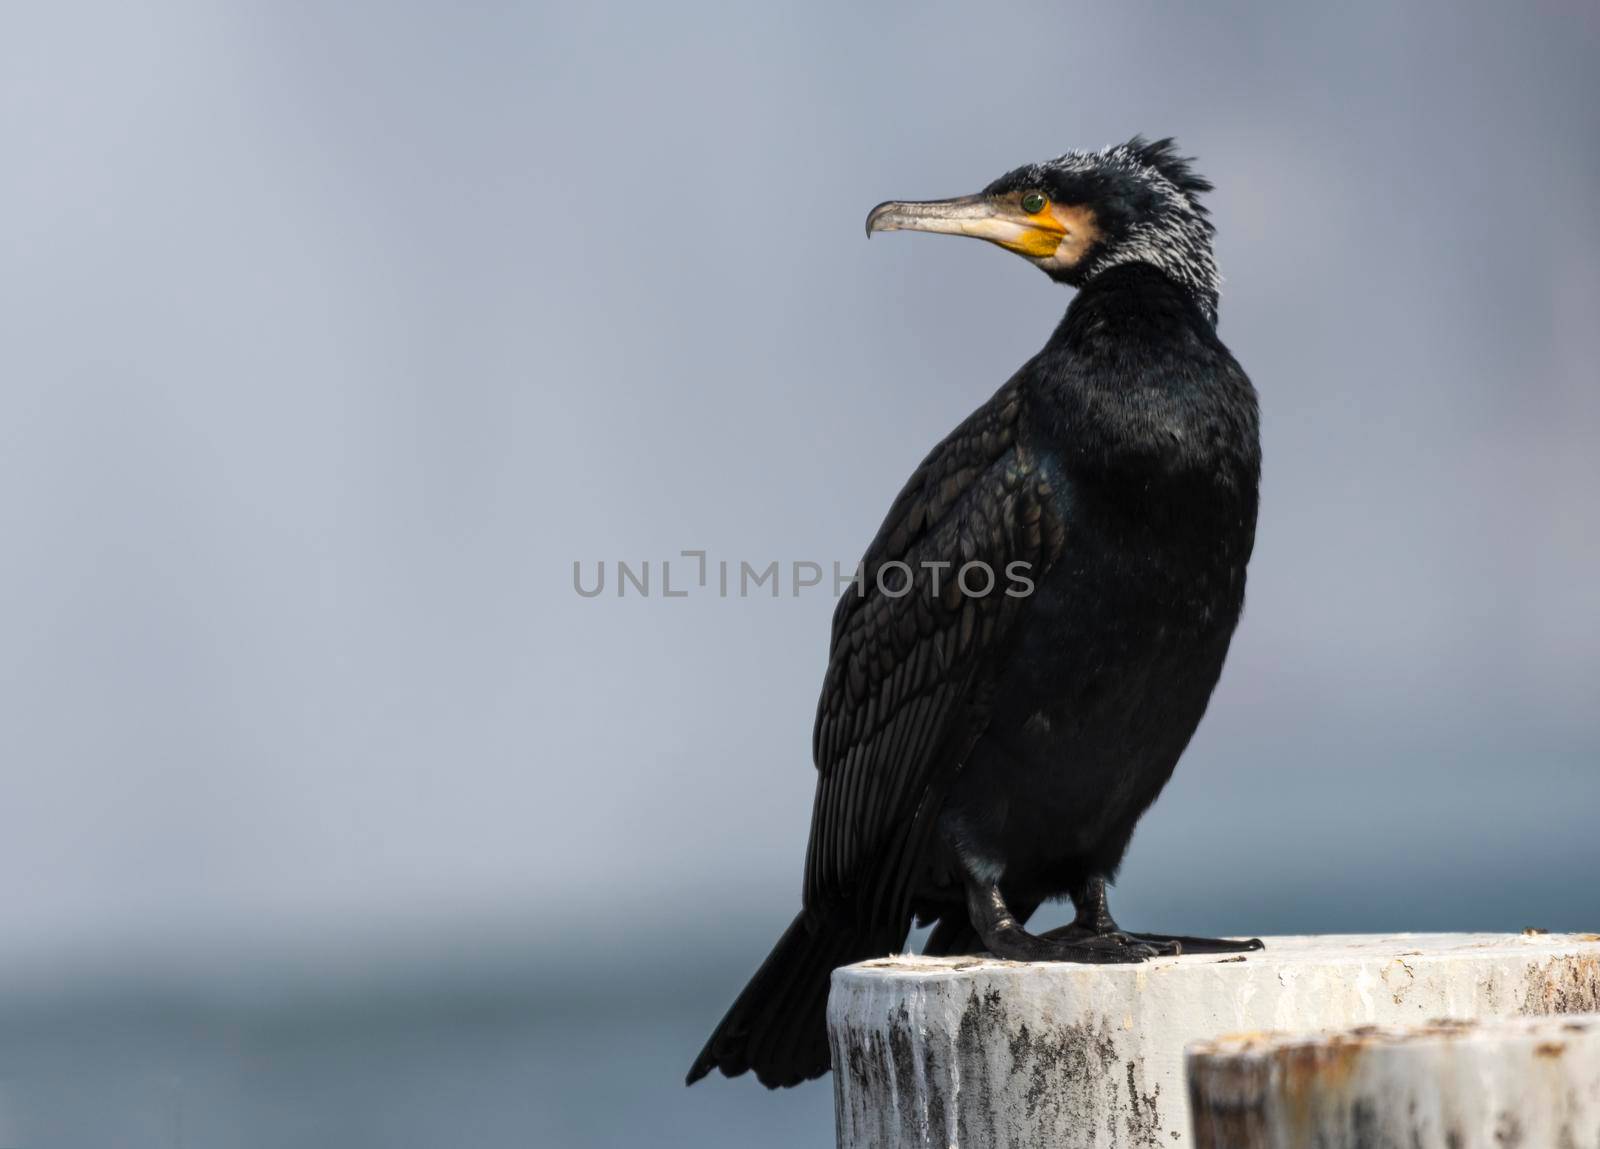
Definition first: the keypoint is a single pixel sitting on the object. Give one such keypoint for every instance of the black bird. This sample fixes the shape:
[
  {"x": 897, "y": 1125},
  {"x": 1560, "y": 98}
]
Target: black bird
[{"x": 980, "y": 753}]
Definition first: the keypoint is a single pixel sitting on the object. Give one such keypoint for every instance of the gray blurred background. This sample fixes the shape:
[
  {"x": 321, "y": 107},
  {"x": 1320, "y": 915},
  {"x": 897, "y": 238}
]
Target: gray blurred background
[{"x": 332, "y": 335}]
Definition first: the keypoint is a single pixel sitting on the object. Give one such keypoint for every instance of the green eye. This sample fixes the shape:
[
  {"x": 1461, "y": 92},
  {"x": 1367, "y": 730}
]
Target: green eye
[{"x": 1034, "y": 202}]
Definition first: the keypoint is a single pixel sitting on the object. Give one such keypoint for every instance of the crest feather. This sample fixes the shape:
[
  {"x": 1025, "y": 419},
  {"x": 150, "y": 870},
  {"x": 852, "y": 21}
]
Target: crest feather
[{"x": 1162, "y": 155}]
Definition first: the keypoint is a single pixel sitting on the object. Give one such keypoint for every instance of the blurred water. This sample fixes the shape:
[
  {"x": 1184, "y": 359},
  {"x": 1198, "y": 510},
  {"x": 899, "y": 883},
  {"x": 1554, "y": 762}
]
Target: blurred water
[
  {"x": 505, "y": 1077},
  {"x": 470, "y": 1070}
]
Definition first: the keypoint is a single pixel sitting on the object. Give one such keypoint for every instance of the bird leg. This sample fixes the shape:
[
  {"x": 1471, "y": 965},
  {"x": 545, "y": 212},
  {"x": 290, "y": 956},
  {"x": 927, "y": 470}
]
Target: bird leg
[
  {"x": 1004, "y": 937},
  {"x": 1094, "y": 920}
]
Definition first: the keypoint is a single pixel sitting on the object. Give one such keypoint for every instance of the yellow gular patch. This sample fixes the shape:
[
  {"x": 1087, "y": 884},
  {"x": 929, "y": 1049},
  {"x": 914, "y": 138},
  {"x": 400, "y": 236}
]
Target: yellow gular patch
[{"x": 1034, "y": 242}]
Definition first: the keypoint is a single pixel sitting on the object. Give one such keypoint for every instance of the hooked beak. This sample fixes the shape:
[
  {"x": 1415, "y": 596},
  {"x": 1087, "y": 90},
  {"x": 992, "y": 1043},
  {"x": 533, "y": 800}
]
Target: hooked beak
[{"x": 998, "y": 219}]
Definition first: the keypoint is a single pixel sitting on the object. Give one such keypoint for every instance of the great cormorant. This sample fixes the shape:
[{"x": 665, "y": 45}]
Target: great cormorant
[{"x": 980, "y": 753}]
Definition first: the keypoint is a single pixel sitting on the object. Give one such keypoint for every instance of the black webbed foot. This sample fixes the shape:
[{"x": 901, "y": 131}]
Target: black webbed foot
[
  {"x": 1094, "y": 920},
  {"x": 1019, "y": 945},
  {"x": 1004, "y": 937},
  {"x": 1077, "y": 934}
]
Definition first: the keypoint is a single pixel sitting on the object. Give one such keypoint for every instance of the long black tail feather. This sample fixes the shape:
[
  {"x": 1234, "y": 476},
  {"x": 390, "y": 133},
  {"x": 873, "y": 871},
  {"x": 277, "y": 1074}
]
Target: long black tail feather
[{"x": 778, "y": 1026}]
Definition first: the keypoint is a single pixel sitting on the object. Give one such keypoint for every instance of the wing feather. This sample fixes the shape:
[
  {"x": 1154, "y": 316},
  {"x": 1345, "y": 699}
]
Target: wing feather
[{"x": 904, "y": 695}]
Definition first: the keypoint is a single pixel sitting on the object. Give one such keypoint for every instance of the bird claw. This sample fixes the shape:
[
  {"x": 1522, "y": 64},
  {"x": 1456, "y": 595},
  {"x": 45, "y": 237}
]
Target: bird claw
[{"x": 1190, "y": 945}]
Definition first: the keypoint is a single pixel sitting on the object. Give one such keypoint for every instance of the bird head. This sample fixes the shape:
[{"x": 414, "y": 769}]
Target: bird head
[{"x": 1081, "y": 213}]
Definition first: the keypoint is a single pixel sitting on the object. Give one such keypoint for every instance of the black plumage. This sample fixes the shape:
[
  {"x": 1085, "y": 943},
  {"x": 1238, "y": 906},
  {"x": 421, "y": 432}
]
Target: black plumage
[{"x": 980, "y": 753}]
